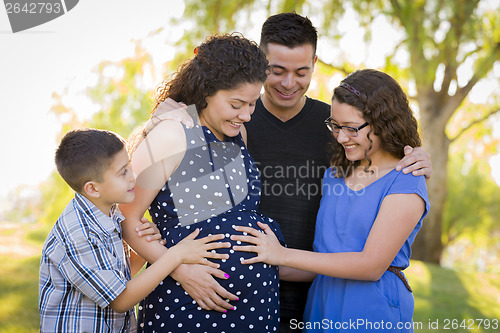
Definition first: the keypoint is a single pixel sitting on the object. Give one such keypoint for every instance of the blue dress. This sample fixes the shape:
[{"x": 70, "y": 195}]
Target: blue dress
[
  {"x": 344, "y": 221},
  {"x": 215, "y": 187}
]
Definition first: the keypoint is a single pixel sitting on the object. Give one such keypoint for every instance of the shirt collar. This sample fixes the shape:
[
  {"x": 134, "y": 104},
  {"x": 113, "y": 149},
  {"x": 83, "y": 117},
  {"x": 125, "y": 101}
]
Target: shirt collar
[{"x": 109, "y": 224}]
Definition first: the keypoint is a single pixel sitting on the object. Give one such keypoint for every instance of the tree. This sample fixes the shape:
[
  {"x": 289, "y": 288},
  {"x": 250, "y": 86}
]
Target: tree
[
  {"x": 471, "y": 230},
  {"x": 442, "y": 37}
]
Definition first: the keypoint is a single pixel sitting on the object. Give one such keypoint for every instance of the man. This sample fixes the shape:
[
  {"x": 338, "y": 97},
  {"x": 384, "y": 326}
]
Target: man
[{"x": 288, "y": 139}]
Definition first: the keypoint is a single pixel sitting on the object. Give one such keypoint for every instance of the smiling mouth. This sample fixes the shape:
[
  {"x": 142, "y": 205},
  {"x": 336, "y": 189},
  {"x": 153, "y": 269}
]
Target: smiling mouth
[
  {"x": 284, "y": 94},
  {"x": 132, "y": 190},
  {"x": 234, "y": 123}
]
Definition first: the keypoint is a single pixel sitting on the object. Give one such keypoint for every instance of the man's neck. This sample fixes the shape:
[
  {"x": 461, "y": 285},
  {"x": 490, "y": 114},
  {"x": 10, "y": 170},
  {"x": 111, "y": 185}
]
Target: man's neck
[{"x": 283, "y": 114}]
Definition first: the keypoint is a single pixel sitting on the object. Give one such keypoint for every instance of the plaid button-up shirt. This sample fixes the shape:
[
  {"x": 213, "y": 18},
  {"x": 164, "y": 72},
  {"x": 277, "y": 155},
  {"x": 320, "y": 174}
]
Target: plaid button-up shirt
[{"x": 83, "y": 268}]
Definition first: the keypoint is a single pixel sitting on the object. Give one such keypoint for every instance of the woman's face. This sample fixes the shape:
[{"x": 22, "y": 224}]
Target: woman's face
[
  {"x": 227, "y": 110},
  {"x": 344, "y": 114}
]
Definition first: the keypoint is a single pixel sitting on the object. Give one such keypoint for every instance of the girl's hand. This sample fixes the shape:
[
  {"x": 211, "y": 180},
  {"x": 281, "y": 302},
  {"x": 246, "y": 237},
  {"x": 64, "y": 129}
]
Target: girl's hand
[
  {"x": 150, "y": 231},
  {"x": 196, "y": 251},
  {"x": 267, "y": 246}
]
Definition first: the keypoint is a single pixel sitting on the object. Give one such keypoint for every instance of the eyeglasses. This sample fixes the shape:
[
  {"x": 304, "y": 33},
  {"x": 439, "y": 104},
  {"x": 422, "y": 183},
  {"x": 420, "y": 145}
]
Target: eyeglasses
[{"x": 348, "y": 130}]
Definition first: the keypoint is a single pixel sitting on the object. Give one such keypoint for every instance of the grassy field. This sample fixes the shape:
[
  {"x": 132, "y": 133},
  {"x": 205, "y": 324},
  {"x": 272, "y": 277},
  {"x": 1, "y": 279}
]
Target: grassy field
[
  {"x": 20, "y": 246},
  {"x": 445, "y": 300},
  {"x": 451, "y": 301}
]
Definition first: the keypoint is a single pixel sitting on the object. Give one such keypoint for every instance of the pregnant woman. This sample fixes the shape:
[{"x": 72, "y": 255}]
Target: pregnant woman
[{"x": 203, "y": 177}]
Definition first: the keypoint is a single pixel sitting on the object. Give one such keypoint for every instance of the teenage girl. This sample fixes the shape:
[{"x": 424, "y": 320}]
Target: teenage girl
[{"x": 368, "y": 218}]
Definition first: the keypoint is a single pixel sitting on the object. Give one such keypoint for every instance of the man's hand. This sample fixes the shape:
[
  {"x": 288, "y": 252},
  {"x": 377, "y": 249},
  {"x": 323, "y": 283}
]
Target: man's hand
[
  {"x": 198, "y": 281},
  {"x": 417, "y": 161},
  {"x": 171, "y": 110}
]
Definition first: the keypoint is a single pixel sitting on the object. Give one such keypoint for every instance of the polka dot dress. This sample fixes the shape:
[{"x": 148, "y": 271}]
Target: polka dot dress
[{"x": 216, "y": 187}]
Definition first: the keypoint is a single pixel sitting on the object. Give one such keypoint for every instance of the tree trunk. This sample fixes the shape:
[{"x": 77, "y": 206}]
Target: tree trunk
[{"x": 428, "y": 245}]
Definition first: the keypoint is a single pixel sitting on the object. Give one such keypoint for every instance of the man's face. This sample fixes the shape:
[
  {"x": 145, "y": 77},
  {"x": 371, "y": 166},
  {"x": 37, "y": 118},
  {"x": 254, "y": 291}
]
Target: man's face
[{"x": 290, "y": 75}]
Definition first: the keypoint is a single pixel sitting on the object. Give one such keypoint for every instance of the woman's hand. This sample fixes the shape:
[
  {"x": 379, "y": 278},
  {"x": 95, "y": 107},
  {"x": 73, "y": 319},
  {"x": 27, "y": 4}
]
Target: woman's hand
[
  {"x": 198, "y": 281},
  {"x": 267, "y": 246}
]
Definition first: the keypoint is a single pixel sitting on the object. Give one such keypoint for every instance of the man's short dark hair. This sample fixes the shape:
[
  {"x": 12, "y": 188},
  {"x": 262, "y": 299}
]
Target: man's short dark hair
[
  {"x": 288, "y": 29},
  {"x": 85, "y": 154}
]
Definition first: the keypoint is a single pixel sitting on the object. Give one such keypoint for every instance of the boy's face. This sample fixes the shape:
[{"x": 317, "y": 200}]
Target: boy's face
[
  {"x": 118, "y": 181},
  {"x": 290, "y": 76}
]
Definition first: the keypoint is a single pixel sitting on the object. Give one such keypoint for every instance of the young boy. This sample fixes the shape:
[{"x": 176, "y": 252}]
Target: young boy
[{"x": 85, "y": 278}]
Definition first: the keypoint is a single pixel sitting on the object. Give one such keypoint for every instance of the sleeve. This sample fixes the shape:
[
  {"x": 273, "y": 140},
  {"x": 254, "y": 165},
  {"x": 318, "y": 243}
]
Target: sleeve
[
  {"x": 90, "y": 267},
  {"x": 409, "y": 184}
]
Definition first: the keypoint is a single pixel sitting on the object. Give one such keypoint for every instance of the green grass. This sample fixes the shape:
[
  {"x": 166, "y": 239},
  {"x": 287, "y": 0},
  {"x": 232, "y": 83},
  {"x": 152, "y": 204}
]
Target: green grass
[
  {"x": 19, "y": 295},
  {"x": 19, "y": 284},
  {"x": 8, "y": 232},
  {"x": 451, "y": 301},
  {"x": 441, "y": 295}
]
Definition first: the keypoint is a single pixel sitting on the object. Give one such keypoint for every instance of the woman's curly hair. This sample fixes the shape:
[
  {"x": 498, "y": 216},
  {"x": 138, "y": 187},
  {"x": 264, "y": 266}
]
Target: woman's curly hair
[
  {"x": 386, "y": 109},
  {"x": 221, "y": 62}
]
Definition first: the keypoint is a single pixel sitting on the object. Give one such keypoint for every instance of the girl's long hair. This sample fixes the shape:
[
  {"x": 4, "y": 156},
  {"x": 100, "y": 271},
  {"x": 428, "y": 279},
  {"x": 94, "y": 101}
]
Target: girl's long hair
[{"x": 386, "y": 109}]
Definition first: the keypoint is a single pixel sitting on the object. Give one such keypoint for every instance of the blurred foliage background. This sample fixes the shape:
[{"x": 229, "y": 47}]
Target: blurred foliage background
[{"x": 442, "y": 49}]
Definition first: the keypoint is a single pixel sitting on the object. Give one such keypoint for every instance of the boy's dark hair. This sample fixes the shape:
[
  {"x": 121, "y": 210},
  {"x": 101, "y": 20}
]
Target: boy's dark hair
[
  {"x": 84, "y": 155},
  {"x": 288, "y": 29}
]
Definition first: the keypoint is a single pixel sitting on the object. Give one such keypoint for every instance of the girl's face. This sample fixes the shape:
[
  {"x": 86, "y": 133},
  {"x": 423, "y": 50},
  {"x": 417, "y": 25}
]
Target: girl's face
[
  {"x": 343, "y": 114},
  {"x": 227, "y": 110}
]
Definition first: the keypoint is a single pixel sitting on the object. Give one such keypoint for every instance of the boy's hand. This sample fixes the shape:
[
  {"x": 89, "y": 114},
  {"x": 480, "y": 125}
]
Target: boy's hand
[
  {"x": 417, "y": 161},
  {"x": 196, "y": 251},
  {"x": 267, "y": 246},
  {"x": 171, "y": 110},
  {"x": 150, "y": 231}
]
